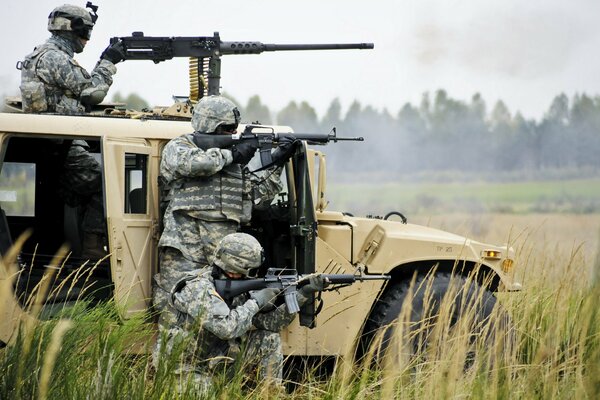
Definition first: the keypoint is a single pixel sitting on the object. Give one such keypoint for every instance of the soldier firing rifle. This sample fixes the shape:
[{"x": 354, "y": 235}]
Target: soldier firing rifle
[
  {"x": 264, "y": 142},
  {"x": 288, "y": 281}
]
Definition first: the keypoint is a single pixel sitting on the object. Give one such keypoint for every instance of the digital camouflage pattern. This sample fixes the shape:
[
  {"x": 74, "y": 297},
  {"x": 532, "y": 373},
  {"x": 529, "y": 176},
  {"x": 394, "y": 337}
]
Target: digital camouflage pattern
[
  {"x": 217, "y": 333},
  {"x": 212, "y": 111},
  {"x": 52, "y": 81},
  {"x": 60, "y": 19},
  {"x": 200, "y": 236},
  {"x": 208, "y": 198},
  {"x": 206, "y": 189},
  {"x": 194, "y": 222},
  {"x": 239, "y": 253},
  {"x": 80, "y": 184}
]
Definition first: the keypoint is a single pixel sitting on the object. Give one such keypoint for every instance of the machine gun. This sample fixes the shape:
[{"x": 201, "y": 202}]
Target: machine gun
[
  {"x": 265, "y": 141},
  {"x": 288, "y": 281},
  {"x": 205, "y": 54}
]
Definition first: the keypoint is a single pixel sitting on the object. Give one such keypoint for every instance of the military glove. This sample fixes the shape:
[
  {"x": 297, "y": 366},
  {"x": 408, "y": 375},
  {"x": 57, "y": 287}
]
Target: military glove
[
  {"x": 115, "y": 52},
  {"x": 244, "y": 151},
  {"x": 265, "y": 297},
  {"x": 316, "y": 283},
  {"x": 285, "y": 149}
]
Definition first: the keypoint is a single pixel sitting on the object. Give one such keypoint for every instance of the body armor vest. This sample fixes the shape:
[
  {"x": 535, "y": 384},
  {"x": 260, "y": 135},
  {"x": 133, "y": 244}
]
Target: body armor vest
[
  {"x": 39, "y": 96},
  {"x": 218, "y": 194}
]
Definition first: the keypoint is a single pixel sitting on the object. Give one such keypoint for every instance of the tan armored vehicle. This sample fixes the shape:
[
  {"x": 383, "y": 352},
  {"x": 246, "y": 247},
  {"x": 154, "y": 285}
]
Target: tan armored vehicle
[{"x": 297, "y": 231}]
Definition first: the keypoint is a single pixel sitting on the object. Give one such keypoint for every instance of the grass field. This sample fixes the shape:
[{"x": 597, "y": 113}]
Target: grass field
[
  {"x": 551, "y": 352},
  {"x": 533, "y": 235},
  {"x": 570, "y": 196}
]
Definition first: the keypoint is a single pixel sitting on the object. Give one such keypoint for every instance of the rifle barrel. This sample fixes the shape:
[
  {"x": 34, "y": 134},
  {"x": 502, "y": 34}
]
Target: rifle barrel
[
  {"x": 356, "y": 139},
  {"x": 350, "y": 278},
  {"x": 373, "y": 277},
  {"x": 319, "y": 138}
]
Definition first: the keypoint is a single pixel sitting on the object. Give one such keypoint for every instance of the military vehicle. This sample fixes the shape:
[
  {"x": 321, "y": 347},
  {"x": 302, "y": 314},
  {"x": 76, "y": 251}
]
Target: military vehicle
[{"x": 298, "y": 230}]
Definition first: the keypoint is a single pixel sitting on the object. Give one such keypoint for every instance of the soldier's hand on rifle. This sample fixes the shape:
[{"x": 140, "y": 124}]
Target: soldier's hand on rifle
[
  {"x": 316, "y": 283},
  {"x": 265, "y": 297},
  {"x": 285, "y": 149},
  {"x": 115, "y": 52},
  {"x": 243, "y": 152}
]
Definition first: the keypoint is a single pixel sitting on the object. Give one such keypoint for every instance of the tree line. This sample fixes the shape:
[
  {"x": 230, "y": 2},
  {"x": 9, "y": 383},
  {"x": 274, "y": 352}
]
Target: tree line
[{"x": 445, "y": 134}]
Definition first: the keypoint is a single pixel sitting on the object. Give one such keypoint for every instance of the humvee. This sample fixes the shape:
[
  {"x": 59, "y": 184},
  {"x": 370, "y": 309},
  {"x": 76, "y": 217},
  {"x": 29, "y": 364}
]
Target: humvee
[{"x": 298, "y": 231}]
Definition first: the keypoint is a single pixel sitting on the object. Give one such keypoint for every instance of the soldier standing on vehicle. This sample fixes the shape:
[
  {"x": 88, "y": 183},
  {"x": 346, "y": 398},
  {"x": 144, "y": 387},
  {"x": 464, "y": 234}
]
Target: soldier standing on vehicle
[
  {"x": 211, "y": 193},
  {"x": 53, "y": 82},
  {"x": 216, "y": 332}
]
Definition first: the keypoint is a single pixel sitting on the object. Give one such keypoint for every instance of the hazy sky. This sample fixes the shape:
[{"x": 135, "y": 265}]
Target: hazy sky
[{"x": 522, "y": 52}]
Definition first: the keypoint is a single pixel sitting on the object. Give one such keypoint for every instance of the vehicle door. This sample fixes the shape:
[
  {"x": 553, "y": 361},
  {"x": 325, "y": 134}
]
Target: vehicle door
[{"x": 131, "y": 219}]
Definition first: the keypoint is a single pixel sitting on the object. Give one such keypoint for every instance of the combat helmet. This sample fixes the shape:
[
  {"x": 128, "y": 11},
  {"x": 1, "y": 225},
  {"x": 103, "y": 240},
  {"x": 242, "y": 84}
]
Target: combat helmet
[
  {"x": 213, "y": 111},
  {"x": 238, "y": 253},
  {"x": 70, "y": 18}
]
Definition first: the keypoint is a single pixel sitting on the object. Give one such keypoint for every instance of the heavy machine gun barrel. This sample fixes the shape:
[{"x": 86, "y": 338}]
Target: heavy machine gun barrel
[
  {"x": 162, "y": 48},
  {"x": 258, "y": 47},
  {"x": 205, "y": 54}
]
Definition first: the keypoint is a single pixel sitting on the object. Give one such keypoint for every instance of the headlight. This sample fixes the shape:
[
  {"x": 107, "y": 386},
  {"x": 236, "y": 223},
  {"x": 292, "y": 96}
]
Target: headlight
[{"x": 491, "y": 254}]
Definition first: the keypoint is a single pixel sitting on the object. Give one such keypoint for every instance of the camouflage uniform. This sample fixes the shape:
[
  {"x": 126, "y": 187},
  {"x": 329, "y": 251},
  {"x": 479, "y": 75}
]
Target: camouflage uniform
[
  {"x": 209, "y": 198},
  {"x": 52, "y": 81},
  {"x": 219, "y": 333},
  {"x": 81, "y": 184}
]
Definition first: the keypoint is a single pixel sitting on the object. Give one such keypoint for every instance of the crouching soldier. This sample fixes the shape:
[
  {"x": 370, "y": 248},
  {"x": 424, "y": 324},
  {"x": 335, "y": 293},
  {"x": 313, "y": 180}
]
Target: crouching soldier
[{"x": 214, "y": 332}]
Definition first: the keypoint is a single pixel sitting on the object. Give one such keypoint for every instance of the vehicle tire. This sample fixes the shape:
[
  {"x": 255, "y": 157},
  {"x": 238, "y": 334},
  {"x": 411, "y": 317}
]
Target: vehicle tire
[{"x": 429, "y": 291}]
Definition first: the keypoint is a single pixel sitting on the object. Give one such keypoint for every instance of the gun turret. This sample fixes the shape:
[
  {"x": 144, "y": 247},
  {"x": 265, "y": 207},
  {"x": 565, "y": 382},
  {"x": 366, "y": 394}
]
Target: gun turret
[{"x": 205, "y": 54}]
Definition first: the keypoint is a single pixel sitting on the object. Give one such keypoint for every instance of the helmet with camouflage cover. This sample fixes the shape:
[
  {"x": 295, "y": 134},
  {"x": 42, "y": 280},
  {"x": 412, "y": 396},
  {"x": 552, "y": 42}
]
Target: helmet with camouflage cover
[
  {"x": 213, "y": 111},
  {"x": 69, "y": 18},
  {"x": 239, "y": 253}
]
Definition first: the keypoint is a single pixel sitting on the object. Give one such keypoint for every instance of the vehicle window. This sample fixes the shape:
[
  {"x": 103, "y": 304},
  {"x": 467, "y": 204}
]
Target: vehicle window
[
  {"x": 17, "y": 189},
  {"x": 136, "y": 190}
]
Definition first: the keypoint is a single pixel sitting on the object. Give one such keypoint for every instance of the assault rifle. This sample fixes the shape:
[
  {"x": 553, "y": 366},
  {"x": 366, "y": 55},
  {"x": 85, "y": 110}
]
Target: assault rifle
[
  {"x": 206, "y": 52},
  {"x": 265, "y": 141},
  {"x": 288, "y": 281}
]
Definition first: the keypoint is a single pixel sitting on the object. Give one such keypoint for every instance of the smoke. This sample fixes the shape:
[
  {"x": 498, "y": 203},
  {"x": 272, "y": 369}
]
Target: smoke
[{"x": 523, "y": 43}]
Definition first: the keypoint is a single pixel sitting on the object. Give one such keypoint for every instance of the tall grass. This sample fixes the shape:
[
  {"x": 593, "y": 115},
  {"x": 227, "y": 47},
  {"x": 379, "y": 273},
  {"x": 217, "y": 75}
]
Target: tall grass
[{"x": 551, "y": 351}]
